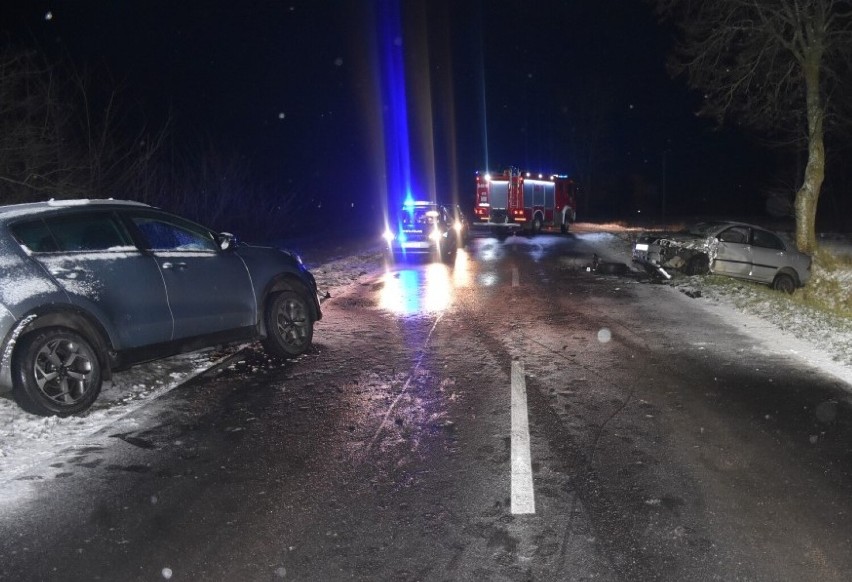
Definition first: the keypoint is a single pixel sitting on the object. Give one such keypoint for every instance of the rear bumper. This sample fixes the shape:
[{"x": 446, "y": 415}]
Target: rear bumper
[
  {"x": 495, "y": 227},
  {"x": 413, "y": 248}
]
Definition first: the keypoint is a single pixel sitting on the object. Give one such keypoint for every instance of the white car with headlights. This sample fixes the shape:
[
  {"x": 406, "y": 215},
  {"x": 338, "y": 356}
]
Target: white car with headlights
[{"x": 425, "y": 229}]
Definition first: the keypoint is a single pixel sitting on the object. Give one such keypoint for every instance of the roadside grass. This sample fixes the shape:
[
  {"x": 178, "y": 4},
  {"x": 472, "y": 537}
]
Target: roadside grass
[
  {"x": 829, "y": 290},
  {"x": 825, "y": 297},
  {"x": 820, "y": 313},
  {"x": 811, "y": 318}
]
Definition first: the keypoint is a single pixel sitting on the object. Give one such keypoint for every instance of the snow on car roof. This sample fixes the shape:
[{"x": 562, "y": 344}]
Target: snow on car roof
[{"x": 15, "y": 210}]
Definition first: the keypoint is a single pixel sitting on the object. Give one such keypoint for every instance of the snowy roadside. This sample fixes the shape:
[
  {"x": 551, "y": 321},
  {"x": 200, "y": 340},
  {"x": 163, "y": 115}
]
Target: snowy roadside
[
  {"x": 778, "y": 325},
  {"x": 28, "y": 442}
]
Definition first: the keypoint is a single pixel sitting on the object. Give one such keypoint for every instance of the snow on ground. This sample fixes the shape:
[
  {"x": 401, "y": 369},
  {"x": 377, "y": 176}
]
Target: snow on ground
[
  {"x": 28, "y": 442},
  {"x": 782, "y": 326}
]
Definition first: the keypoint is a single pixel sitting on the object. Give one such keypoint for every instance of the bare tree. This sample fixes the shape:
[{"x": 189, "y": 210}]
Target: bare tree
[
  {"x": 35, "y": 158},
  {"x": 216, "y": 186},
  {"x": 69, "y": 133},
  {"x": 770, "y": 65},
  {"x": 115, "y": 141},
  {"x": 587, "y": 134},
  {"x": 64, "y": 136}
]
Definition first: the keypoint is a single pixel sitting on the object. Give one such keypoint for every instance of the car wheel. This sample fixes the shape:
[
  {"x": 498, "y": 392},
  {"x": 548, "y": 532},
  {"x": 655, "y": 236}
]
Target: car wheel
[
  {"x": 447, "y": 254},
  {"x": 56, "y": 372},
  {"x": 564, "y": 228},
  {"x": 785, "y": 283},
  {"x": 461, "y": 240},
  {"x": 536, "y": 225},
  {"x": 289, "y": 325},
  {"x": 698, "y": 265}
]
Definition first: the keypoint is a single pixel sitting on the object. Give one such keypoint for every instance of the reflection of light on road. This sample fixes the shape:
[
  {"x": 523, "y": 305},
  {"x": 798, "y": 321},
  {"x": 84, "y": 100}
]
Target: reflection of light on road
[
  {"x": 412, "y": 291},
  {"x": 399, "y": 292},
  {"x": 461, "y": 271},
  {"x": 439, "y": 288},
  {"x": 488, "y": 279},
  {"x": 488, "y": 253}
]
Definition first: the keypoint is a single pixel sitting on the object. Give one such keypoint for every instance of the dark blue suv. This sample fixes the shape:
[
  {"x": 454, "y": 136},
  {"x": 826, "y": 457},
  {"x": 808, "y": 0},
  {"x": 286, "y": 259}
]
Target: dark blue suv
[{"x": 94, "y": 286}]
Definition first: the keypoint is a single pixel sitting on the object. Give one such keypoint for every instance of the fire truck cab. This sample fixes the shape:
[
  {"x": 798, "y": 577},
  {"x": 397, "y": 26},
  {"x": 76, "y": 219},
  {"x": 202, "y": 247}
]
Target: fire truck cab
[{"x": 520, "y": 200}]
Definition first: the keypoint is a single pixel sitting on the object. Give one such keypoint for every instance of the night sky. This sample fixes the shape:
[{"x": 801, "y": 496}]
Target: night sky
[{"x": 308, "y": 93}]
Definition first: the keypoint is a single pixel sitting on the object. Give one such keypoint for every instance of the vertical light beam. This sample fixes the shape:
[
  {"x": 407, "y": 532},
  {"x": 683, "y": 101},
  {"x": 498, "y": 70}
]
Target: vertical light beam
[{"x": 395, "y": 114}]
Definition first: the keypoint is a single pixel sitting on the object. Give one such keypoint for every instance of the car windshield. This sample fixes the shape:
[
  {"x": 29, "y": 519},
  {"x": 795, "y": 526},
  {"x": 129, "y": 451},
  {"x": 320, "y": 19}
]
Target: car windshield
[
  {"x": 703, "y": 228},
  {"x": 418, "y": 217}
]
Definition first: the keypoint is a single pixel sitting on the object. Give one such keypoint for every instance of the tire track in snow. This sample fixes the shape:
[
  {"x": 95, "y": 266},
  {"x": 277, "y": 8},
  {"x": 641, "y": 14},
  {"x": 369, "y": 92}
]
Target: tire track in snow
[{"x": 417, "y": 363}]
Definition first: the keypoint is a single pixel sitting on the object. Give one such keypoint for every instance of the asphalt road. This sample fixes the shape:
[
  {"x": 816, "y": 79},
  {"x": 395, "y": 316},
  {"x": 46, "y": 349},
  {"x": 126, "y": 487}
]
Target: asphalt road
[{"x": 509, "y": 417}]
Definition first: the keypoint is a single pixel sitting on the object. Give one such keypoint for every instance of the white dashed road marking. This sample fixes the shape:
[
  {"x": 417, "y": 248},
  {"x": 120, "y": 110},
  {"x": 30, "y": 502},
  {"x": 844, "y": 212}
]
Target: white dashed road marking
[{"x": 523, "y": 495}]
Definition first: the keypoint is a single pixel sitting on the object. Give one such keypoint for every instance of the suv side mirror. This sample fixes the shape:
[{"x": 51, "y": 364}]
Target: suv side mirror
[{"x": 227, "y": 241}]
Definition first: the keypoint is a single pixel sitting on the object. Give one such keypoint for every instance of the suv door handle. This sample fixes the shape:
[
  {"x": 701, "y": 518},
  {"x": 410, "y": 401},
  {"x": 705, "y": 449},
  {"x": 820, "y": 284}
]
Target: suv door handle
[
  {"x": 67, "y": 273},
  {"x": 169, "y": 265}
]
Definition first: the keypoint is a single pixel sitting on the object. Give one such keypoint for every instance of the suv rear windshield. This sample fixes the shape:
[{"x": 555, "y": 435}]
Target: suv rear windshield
[{"x": 418, "y": 217}]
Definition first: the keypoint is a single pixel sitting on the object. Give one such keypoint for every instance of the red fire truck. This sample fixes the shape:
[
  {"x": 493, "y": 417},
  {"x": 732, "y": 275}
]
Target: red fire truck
[{"x": 521, "y": 200}]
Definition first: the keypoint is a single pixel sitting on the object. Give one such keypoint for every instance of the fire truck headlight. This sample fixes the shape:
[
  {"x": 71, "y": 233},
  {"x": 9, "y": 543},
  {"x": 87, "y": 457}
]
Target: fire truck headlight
[{"x": 388, "y": 235}]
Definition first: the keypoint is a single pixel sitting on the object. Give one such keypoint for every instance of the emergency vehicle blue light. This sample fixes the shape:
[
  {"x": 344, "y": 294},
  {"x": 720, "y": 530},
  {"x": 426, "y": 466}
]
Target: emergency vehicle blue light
[{"x": 393, "y": 95}]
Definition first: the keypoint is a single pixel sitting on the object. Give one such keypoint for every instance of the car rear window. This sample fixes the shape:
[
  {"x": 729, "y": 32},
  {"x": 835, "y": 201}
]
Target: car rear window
[
  {"x": 34, "y": 236},
  {"x": 419, "y": 216},
  {"x": 767, "y": 240},
  {"x": 86, "y": 232}
]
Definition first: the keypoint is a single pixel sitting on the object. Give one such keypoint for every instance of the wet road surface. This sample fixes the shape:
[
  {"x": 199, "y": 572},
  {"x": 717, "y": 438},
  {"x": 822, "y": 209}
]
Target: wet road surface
[{"x": 659, "y": 443}]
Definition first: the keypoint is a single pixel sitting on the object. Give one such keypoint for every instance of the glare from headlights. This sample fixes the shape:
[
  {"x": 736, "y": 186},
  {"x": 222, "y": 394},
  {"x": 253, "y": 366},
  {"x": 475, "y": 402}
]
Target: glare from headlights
[
  {"x": 641, "y": 247},
  {"x": 458, "y": 226},
  {"x": 388, "y": 235},
  {"x": 435, "y": 235}
]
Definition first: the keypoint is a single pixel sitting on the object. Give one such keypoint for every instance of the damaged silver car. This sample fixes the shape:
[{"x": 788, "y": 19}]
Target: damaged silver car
[{"x": 734, "y": 249}]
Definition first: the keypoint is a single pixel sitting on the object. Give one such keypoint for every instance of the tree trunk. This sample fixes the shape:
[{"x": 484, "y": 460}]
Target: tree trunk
[{"x": 808, "y": 194}]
